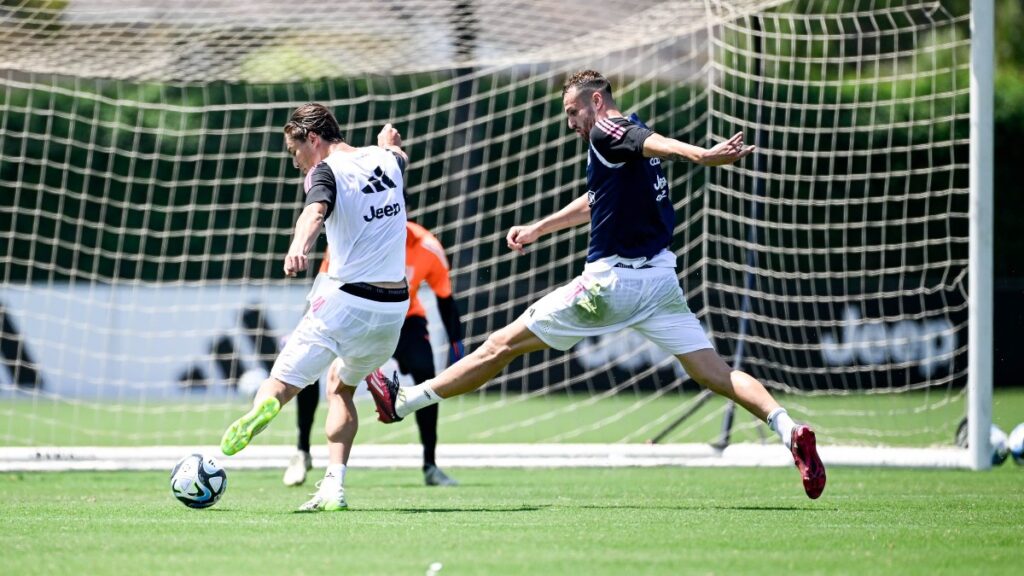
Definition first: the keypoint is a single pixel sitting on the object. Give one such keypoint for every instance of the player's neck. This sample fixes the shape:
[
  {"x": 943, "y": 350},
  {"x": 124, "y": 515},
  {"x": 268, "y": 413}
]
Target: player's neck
[
  {"x": 609, "y": 113},
  {"x": 339, "y": 147}
]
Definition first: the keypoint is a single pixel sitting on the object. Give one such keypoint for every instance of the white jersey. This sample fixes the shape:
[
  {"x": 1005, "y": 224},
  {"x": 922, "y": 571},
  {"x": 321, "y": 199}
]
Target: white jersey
[{"x": 366, "y": 228}]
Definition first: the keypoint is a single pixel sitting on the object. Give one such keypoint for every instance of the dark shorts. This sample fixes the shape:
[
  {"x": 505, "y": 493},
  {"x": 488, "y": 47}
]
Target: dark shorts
[{"x": 414, "y": 353}]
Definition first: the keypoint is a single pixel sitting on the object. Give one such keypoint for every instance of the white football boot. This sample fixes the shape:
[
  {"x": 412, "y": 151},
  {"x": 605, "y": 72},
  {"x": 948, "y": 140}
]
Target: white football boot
[
  {"x": 295, "y": 473},
  {"x": 329, "y": 497}
]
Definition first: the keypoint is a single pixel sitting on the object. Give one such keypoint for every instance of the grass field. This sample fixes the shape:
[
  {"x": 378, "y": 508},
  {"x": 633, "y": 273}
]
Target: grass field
[
  {"x": 913, "y": 419},
  {"x": 514, "y": 521},
  {"x": 562, "y": 521}
]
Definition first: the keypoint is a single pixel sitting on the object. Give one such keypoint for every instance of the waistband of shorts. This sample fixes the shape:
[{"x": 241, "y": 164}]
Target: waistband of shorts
[
  {"x": 622, "y": 265},
  {"x": 376, "y": 293}
]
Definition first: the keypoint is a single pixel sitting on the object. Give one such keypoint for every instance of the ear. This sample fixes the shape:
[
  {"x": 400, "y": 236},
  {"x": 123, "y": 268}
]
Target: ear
[{"x": 597, "y": 100}]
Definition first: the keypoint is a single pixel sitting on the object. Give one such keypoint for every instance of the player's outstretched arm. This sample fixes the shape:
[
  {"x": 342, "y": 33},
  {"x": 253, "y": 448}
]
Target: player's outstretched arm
[
  {"x": 658, "y": 146},
  {"x": 307, "y": 228},
  {"x": 390, "y": 139},
  {"x": 572, "y": 214}
]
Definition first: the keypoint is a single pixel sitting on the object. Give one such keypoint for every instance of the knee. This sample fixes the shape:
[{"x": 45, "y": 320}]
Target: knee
[
  {"x": 497, "y": 346},
  {"x": 714, "y": 379}
]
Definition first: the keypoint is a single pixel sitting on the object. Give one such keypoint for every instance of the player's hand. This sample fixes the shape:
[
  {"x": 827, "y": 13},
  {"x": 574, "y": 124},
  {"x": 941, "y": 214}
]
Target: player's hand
[
  {"x": 455, "y": 352},
  {"x": 519, "y": 236},
  {"x": 389, "y": 136},
  {"x": 295, "y": 263},
  {"x": 726, "y": 152}
]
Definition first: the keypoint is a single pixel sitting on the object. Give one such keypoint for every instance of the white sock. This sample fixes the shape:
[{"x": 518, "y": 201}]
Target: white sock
[
  {"x": 412, "y": 398},
  {"x": 782, "y": 424},
  {"x": 335, "y": 473}
]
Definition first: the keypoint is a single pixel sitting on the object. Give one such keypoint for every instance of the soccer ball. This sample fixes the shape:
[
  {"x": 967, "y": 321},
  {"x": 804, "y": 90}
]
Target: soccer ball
[
  {"x": 1000, "y": 446},
  {"x": 998, "y": 439},
  {"x": 198, "y": 481},
  {"x": 1016, "y": 444}
]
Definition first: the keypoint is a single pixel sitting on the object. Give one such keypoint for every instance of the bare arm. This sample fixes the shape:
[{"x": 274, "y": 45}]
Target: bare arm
[
  {"x": 572, "y": 214},
  {"x": 307, "y": 228},
  {"x": 658, "y": 146},
  {"x": 390, "y": 139}
]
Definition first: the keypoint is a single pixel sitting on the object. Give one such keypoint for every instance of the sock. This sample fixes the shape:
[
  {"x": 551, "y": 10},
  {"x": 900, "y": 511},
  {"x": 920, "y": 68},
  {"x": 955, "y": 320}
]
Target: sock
[
  {"x": 412, "y": 398},
  {"x": 305, "y": 403},
  {"x": 426, "y": 421},
  {"x": 335, "y": 473},
  {"x": 782, "y": 424}
]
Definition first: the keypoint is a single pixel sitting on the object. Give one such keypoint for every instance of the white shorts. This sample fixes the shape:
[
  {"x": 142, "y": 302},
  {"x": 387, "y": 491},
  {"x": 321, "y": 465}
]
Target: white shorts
[
  {"x": 606, "y": 299},
  {"x": 360, "y": 333}
]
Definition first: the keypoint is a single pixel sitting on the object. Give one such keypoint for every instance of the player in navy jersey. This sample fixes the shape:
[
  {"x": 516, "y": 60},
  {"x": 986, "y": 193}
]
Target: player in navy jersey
[{"x": 629, "y": 280}]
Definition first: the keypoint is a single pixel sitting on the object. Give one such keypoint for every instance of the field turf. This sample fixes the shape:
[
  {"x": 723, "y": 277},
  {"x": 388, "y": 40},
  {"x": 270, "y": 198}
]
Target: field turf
[
  {"x": 541, "y": 521},
  {"x": 914, "y": 419}
]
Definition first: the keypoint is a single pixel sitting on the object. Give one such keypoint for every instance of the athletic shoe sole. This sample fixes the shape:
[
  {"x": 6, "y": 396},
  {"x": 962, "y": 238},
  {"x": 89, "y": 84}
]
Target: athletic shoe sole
[
  {"x": 318, "y": 504},
  {"x": 241, "y": 431},
  {"x": 384, "y": 395},
  {"x": 805, "y": 455}
]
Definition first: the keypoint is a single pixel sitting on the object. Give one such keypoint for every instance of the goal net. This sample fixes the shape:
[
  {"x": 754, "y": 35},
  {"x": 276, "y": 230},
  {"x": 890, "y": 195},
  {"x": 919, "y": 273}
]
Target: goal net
[{"x": 147, "y": 201}]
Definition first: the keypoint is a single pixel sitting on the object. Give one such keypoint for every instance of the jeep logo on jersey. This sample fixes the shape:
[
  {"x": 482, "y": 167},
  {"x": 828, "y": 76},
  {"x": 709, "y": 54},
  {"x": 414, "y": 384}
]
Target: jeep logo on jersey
[
  {"x": 385, "y": 212},
  {"x": 379, "y": 182}
]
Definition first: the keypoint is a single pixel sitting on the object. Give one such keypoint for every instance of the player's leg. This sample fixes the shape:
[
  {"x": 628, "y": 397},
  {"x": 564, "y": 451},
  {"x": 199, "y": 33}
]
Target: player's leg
[
  {"x": 668, "y": 322},
  {"x": 708, "y": 369},
  {"x": 305, "y": 356},
  {"x": 471, "y": 372},
  {"x": 341, "y": 428},
  {"x": 416, "y": 358},
  {"x": 476, "y": 369},
  {"x": 301, "y": 462},
  {"x": 366, "y": 332},
  {"x": 273, "y": 394}
]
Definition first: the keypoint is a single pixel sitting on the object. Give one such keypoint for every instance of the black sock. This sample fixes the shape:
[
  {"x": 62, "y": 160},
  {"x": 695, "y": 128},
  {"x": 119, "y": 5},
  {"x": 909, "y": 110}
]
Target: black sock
[
  {"x": 426, "y": 419},
  {"x": 306, "y": 402}
]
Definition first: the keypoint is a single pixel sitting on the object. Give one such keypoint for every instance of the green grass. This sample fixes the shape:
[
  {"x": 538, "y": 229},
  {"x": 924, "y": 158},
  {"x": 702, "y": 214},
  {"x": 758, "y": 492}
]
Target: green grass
[
  {"x": 915, "y": 419},
  {"x": 562, "y": 521}
]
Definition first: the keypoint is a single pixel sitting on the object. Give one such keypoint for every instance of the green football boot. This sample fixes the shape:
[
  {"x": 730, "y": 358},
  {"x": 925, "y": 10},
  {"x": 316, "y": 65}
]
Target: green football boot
[{"x": 241, "y": 431}]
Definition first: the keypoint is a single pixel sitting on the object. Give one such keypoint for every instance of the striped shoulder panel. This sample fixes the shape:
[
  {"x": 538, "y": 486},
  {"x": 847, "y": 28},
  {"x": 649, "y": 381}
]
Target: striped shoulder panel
[{"x": 610, "y": 128}]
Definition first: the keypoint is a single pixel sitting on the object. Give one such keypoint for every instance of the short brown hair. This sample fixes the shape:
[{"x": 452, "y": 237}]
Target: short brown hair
[
  {"x": 316, "y": 119},
  {"x": 589, "y": 81}
]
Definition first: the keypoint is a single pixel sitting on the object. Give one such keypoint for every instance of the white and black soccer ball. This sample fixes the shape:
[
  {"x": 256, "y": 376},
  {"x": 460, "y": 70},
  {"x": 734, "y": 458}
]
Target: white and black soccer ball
[
  {"x": 1000, "y": 446},
  {"x": 198, "y": 481},
  {"x": 997, "y": 438},
  {"x": 1016, "y": 444}
]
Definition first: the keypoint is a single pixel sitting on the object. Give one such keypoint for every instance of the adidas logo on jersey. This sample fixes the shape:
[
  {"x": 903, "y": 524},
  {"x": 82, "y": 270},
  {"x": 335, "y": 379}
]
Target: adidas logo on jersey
[{"x": 379, "y": 182}]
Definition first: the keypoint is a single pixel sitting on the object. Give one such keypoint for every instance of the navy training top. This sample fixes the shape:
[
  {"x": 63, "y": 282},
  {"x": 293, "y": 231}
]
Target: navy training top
[{"x": 631, "y": 213}]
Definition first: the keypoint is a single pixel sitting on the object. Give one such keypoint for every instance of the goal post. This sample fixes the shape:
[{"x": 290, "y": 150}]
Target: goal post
[
  {"x": 980, "y": 345},
  {"x": 146, "y": 199}
]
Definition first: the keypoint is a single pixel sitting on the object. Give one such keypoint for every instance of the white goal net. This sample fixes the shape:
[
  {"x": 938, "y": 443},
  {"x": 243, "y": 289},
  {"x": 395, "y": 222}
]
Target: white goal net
[{"x": 146, "y": 201}]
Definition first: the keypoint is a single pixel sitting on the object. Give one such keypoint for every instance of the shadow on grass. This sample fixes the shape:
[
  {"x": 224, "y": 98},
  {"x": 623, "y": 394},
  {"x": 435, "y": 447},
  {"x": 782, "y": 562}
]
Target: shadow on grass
[
  {"x": 698, "y": 507},
  {"x": 538, "y": 508},
  {"x": 498, "y": 509},
  {"x": 475, "y": 509}
]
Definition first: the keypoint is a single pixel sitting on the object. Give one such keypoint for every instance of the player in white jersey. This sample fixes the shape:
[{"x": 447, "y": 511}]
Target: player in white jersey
[{"x": 357, "y": 309}]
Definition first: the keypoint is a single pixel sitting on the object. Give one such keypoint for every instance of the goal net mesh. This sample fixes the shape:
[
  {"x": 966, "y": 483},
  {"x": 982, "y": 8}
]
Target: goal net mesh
[{"x": 147, "y": 202}]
